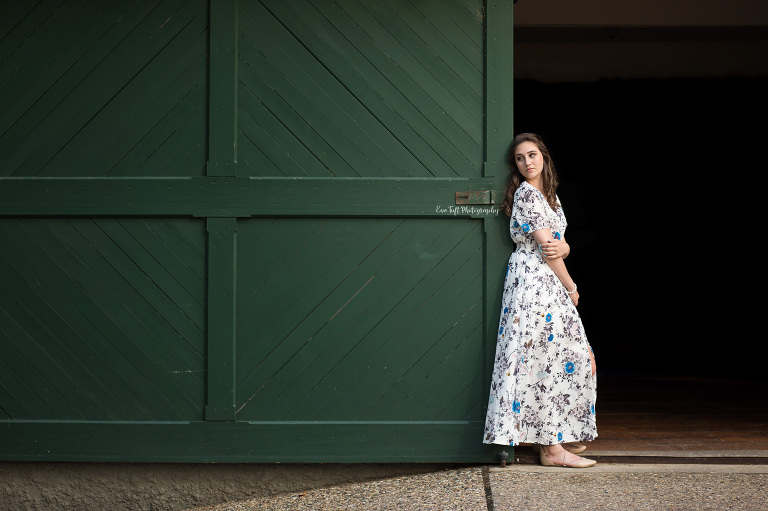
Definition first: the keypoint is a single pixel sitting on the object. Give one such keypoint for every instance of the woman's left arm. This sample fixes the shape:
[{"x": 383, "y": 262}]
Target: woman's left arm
[{"x": 555, "y": 249}]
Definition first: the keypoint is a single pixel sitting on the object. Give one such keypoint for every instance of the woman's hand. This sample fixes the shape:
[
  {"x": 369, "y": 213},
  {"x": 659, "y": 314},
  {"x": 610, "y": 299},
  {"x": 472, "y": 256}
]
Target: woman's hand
[
  {"x": 554, "y": 249},
  {"x": 575, "y": 297}
]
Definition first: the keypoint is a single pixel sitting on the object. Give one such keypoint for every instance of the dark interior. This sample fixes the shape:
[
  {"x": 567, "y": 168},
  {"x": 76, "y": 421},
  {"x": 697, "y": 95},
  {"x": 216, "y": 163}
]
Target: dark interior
[
  {"x": 660, "y": 180},
  {"x": 661, "y": 177}
]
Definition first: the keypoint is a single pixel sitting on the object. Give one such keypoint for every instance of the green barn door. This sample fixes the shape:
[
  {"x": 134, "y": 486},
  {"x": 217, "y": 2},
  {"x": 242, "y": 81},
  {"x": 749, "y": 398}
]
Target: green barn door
[
  {"x": 251, "y": 231},
  {"x": 361, "y": 308}
]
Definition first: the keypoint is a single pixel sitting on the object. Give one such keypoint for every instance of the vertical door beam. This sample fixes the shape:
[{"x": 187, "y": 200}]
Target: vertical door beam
[
  {"x": 222, "y": 232},
  {"x": 221, "y": 324},
  {"x": 499, "y": 132},
  {"x": 222, "y": 90}
]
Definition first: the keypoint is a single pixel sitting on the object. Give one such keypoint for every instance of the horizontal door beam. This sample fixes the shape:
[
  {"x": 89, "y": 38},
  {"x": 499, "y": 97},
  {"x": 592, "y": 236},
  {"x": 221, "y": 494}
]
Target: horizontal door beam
[
  {"x": 246, "y": 442},
  {"x": 228, "y": 197}
]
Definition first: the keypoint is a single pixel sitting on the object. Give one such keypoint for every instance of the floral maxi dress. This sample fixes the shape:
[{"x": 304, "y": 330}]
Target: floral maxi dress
[{"x": 542, "y": 389}]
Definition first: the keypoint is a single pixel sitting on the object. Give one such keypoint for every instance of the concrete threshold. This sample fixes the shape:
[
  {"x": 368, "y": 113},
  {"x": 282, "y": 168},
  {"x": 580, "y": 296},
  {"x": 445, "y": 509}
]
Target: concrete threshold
[
  {"x": 732, "y": 457},
  {"x": 626, "y": 468},
  {"x": 683, "y": 454}
]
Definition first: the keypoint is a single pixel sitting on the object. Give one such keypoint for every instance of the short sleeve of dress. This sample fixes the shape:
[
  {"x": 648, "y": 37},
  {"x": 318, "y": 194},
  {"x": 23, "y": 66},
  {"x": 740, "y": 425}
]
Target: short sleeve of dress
[{"x": 530, "y": 209}]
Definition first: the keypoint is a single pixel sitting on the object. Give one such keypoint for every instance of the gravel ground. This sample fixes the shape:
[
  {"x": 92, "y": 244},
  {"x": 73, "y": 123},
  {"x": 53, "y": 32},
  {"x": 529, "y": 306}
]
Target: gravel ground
[
  {"x": 534, "y": 488},
  {"x": 446, "y": 490},
  {"x": 633, "y": 489}
]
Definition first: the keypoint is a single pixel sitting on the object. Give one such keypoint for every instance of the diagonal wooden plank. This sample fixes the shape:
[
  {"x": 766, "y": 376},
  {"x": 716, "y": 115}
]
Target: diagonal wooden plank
[
  {"x": 266, "y": 131},
  {"x": 405, "y": 325},
  {"x": 127, "y": 308},
  {"x": 395, "y": 276},
  {"x": 88, "y": 98},
  {"x": 11, "y": 405},
  {"x": 44, "y": 399},
  {"x": 438, "y": 391},
  {"x": 382, "y": 74},
  {"x": 344, "y": 312},
  {"x": 19, "y": 21},
  {"x": 133, "y": 330},
  {"x": 291, "y": 326},
  {"x": 462, "y": 25},
  {"x": 418, "y": 334},
  {"x": 363, "y": 80},
  {"x": 39, "y": 331},
  {"x": 301, "y": 117},
  {"x": 44, "y": 63},
  {"x": 17, "y": 393},
  {"x": 340, "y": 108},
  {"x": 182, "y": 152},
  {"x": 446, "y": 340},
  {"x": 250, "y": 157},
  {"x": 182, "y": 311},
  {"x": 422, "y": 52},
  {"x": 161, "y": 98},
  {"x": 147, "y": 96},
  {"x": 324, "y": 114},
  {"x": 30, "y": 113},
  {"x": 168, "y": 265},
  {"x": 12, "y": 15},
  {"x": 56, "y": 28}
]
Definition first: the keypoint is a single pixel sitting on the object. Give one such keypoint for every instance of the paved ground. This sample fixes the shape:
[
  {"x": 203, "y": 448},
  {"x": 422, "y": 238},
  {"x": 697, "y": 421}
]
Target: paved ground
[{"x": 530, "y": 488}]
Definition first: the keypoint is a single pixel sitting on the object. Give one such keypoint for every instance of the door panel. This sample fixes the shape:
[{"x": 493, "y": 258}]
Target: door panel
[
  {"x": 355, "y": 319},
  {"x": 360, "y": 89}
]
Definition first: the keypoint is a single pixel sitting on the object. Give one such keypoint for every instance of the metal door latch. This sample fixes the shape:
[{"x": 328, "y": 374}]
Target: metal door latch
[{"x": 476, "y": 197}]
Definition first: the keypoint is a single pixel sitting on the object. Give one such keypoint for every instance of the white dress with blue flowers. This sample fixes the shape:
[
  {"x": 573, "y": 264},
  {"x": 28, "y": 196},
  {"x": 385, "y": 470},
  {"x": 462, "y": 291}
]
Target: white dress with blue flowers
[{"x": 542, "y": 389}]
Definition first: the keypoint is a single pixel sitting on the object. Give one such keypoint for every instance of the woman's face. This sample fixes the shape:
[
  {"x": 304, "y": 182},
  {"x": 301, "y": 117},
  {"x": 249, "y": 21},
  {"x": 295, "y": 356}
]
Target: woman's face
[{"x": 529, "y": 161}]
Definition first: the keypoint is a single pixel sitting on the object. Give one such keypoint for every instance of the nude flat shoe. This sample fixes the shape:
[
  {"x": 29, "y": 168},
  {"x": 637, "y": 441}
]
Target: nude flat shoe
[
  {"x": 575, "y": 448},
  {"x": 572, "y": 448},
  {"x": 577, "y": 463}
]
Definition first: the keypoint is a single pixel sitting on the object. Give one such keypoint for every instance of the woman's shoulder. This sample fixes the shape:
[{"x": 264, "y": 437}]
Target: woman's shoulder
[{"x": 526, "y": 192}]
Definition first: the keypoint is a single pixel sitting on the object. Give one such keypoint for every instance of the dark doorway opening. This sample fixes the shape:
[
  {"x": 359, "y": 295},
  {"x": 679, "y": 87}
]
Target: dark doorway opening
[{"x": 661, "y": 181}]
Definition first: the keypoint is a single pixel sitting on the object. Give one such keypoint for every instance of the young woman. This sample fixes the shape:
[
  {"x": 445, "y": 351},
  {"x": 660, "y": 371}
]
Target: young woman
[{"x": 543, "y": 387}]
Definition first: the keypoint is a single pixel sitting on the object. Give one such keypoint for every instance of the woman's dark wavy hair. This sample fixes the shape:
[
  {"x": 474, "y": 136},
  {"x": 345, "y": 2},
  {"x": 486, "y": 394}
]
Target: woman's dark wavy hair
[{"x": 549, "y": 176}]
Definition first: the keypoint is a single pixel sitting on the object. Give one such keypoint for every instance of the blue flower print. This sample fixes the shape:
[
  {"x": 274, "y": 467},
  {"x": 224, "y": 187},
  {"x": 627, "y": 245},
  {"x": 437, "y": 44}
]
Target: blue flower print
[
  {"x": 506, "y": 309},
  {"x": 501, "y": 330},
  {"x": 551, "y": 336},
  {"x": 526, "y": 227},
  {"x": 592, "y": 409},
  {"x": 515, "y": 224},
  {"x": 569, "y": 367},
  {"x": 556, "y": 235},
  {"x": 516, "y": 406},
  {"x": 548, "y": 318},
  {"x": 559, "y": 437}
]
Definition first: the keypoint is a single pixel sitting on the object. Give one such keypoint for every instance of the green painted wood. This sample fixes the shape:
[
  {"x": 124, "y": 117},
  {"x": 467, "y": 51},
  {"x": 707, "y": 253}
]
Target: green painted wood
[
  {"x": 321, "y": 110},
  {"x": 222, "y": 105},
  {"x": 418, "y": 330},
  {"x": 394, "y": 50},
  {"x": 321, "y": 325},
  {"x": 339, "y": 286},
  {"x": 239, "y": 197},
  {"x": 91, "y": 327},
  {"x": 222, "y": 290},
  {"x": 244, "y": 442},
  {"x": 499, "y": 133},
  {"x": 293, "y": 125},
  {"x": 402, "y": 115},
  {"x": 116, "y": 87}
]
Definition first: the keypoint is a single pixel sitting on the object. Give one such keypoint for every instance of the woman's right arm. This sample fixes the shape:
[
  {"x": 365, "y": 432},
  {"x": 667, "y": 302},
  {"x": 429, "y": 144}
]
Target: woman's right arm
[{"x": 558, "y": 265}]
